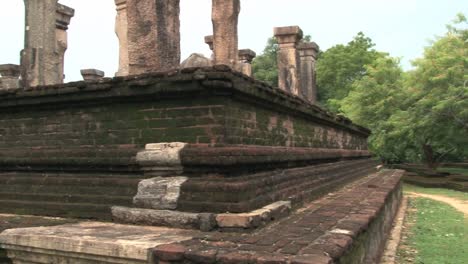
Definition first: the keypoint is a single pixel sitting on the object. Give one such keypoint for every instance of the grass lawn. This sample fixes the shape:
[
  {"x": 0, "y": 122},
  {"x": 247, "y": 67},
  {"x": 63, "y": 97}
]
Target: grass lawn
[
  {"x": 454, "y": 170},
  {"x": 437, "y": 191},
  {"x": 435, "y": 234}
]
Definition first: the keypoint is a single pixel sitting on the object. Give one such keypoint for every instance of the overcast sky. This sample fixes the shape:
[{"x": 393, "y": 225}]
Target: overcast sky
[{"x": 400, "y": 27}]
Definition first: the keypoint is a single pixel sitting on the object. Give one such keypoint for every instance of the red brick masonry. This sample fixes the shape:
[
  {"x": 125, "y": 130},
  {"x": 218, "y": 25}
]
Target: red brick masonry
[{"x": 348, "y": 226}]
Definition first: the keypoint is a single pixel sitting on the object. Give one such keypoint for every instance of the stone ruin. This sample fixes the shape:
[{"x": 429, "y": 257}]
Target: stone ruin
[{"x": 192, "y": 162}]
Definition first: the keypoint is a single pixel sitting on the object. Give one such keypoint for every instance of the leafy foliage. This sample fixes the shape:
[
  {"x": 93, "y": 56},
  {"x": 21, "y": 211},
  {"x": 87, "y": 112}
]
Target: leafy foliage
[
  {"x": 420, "y": 115},
  {"x": 340, "y": 66}
]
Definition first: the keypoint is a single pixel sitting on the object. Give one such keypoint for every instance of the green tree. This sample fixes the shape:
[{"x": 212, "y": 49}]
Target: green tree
[
  {"x": 340, "y": 66},
  {"x": 264, "y": 66},
  {"x": 438, "y": 116},
  {"x": 421, "y": 115}
]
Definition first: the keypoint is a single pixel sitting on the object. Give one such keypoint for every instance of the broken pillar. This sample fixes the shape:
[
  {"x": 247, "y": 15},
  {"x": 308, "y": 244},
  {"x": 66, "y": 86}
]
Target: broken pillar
[
  {"x": 288, "y": 59},
  {"x": 308, "y": 56},
  {"x": 45, "y": 42},
  {"x": 153, "y": 35},
  {"x": 209, "y": 42},
  {"x": 246, "y": 57},
  {"x": 92, "y": 75},
  {"x": 121, "y": 26},
  {"x": 9, "y": 76},
  {"x": 63, "y": 18},
  {"x": 225, "y": 15}
]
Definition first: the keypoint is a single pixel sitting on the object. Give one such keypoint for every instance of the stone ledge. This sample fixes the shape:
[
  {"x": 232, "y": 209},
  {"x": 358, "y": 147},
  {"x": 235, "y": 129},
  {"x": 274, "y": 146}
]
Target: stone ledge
[{"x": 203, "y": 221}]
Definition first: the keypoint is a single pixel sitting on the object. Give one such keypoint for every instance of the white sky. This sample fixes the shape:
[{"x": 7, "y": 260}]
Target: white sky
[{"x": 400, "y": 27}]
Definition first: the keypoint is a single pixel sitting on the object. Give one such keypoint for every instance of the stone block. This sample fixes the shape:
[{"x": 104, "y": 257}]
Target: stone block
[
  {"x": 203, "y": 221},
  {"x": 255, "y": 218},
  {"x": 161, "y": 159},
  {"x": 92, "y": 74},
  {"x": 159, "y": 193},
  {"x": 9, "y": 76}
]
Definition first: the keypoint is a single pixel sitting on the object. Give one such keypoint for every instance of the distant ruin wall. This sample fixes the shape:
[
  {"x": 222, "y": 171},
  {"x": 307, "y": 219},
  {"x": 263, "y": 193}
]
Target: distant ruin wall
[{"x": 108, "y": 122}]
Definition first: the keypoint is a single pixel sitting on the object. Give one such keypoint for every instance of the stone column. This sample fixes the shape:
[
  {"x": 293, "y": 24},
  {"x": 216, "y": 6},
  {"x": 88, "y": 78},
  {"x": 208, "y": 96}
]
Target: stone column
[
  {"x": 121, "y": 26},
  {"x": 225, "y": 15},
  {"x": 246, "y": 57},
  {"x": 308, "y": 57},
  {"x": 9, "y": 76},
  {"x": 64, "y": 15},
  {"x": 45, "y": 42},
  {"x": 153, "y": 35},
  {"x": 288, "y": 59}
]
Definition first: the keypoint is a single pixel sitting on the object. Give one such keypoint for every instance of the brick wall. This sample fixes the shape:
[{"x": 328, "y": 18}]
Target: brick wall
[{"x": 108, "y": 122}]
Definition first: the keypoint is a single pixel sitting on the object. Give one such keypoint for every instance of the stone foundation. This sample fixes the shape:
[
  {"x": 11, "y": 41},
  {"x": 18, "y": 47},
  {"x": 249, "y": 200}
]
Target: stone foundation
[{"x": 346, "y": 226}]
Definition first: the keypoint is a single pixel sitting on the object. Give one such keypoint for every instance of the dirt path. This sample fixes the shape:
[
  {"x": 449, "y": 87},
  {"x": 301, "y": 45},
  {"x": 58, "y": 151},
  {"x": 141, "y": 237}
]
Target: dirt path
[{"x": 460, "y": 205}]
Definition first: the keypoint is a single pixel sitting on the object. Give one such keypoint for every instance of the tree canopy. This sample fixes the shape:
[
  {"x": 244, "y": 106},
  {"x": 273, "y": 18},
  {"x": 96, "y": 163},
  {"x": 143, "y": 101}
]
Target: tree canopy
[{"x": 416, "y": 116}]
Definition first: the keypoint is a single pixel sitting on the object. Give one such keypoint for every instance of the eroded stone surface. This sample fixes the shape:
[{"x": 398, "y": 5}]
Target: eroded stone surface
[
  {"x": 153, "y": 35},
  {"x": 121, "y": 27},
  {"x": 308, "y": 57},
  {"x": 9, "y": 76},
  {"x": 225, "y": 15},
  {"x": 246, "y": 57},
  {"x": 196, "y": 60},
  {"x": 92, "y": 74},
  {"x": 161, "y": 159},
  {"x": 288, "y": 59},
  {"x": 42, "y": 58},
  {"x": 89, "y": 241},
  {"x": 159, "y": 193}
]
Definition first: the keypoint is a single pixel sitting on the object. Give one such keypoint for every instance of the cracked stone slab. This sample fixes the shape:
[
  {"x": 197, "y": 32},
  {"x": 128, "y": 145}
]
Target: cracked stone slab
[{"x": 89, "y": 242}]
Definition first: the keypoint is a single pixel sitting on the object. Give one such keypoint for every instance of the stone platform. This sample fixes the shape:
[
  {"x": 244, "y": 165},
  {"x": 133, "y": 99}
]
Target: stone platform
[{"x": 346, "y": 226}]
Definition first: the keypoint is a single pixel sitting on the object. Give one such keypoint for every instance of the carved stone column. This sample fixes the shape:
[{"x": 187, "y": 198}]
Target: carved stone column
[
  {"x": 45, "y": 42},
  {"x": 308, "y": 57},
  {"x": 153, "y": 35},
  {"x": 64, "y": 15},
  {"x": 225, "y": 15},
  {"x": 246, "y": 57},
  {"x": 121, "y": 26},
  {"x": 288, "y": 59},
  {"x": 9, "y": 76}
]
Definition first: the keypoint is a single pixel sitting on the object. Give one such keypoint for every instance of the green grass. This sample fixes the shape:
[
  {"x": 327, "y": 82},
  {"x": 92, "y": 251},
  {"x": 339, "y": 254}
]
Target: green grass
[
  {"x": 454, "y": 170},
  {"x": 437, "y": 191},
  {"x": 437, "y": 234}
]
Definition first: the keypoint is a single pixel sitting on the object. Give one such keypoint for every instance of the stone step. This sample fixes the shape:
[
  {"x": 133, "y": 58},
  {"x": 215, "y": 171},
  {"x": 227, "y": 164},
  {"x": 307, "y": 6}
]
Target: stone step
[
  {"x": 80, "y": 174},
  {"x": 68, "y": 198},
  {"x": 70, "y": 189},
  {"x": 118, "y": 182},
  {"x": 68, "y": 210}
]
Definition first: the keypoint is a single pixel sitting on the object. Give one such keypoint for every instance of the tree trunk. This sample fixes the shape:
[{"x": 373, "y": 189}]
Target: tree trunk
[{"x": 429, "y": 156}]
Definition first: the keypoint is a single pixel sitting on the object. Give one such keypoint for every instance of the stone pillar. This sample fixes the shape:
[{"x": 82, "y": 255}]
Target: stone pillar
[
  {"x": 288, "y": 59},
  {"x": 64, "y": 15},
  {"x": 308, "y": 57},
  {"x": 45, "y": 42},
  {"x": 9, "y": 76},
  {"x": 121, "y": 26},
  {"x": 246, "y": 57},
  {"x": 92, "y": 75},
  {"x": 225, "y": 15},
  {"x": 153, "y": 35}
]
